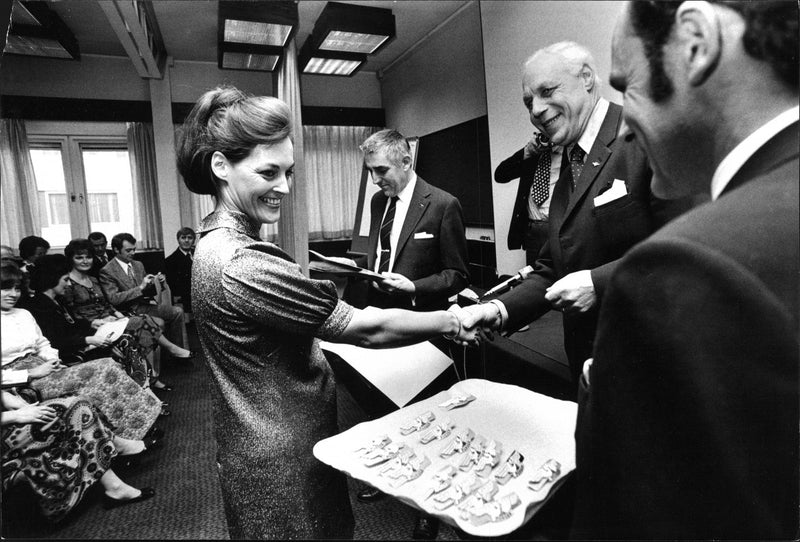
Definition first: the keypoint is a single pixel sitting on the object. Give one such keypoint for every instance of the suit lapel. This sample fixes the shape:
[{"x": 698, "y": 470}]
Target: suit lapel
[
  {"x": 416, "y": 208},
  {"x": 599, "y": 155}
]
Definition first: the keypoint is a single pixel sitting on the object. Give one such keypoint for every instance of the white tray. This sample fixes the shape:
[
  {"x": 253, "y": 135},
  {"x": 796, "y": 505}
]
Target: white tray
[{"x": 537, "y": 426}]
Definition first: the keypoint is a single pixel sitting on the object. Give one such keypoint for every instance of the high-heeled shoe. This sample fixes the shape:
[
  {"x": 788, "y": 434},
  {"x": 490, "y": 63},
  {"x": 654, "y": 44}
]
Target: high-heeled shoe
[
  {"x": 164, "y": 387},
  {"x": 111, "y": 502}
]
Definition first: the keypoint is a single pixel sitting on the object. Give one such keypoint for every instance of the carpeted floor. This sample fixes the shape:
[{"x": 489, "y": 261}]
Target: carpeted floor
[{"x": 188, "y": 504}]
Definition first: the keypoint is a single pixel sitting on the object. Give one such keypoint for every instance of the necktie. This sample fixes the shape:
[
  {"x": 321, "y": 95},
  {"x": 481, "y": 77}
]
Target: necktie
[
  {"x": 130, "y": 273},
  {"x": 576, "y": 156},
  {"x": 386, "y": 233},
  {"x": 541, "y": 178}
]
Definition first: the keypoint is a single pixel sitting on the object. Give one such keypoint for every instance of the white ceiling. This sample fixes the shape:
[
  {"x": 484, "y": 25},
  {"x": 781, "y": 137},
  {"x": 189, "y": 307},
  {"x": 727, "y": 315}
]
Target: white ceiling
[{"x": 189, "y": 27}]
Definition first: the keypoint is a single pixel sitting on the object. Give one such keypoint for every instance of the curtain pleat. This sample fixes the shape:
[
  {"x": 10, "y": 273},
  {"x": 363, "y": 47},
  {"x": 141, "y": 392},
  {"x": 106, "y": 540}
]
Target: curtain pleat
[
  {"x": 146, "y": 210},
  {"x": 20, "y": 206},
  {"x": 333, "y": 176}
]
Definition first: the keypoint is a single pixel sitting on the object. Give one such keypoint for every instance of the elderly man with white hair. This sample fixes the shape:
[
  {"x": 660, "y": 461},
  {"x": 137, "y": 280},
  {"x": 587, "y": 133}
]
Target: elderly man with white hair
[{"x": 601, "y": 203}]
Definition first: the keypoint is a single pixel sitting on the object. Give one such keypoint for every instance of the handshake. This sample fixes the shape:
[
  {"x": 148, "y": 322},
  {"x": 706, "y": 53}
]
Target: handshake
[{"x": 476, "y": 323}]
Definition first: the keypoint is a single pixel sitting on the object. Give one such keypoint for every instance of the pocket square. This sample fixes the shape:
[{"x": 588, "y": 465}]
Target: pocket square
[
  {"x": 617, "y": 190},
  {"x": 423, "y": 235}
]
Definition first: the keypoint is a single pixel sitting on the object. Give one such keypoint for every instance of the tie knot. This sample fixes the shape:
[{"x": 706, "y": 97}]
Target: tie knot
[{"x": 576, "y": 154}]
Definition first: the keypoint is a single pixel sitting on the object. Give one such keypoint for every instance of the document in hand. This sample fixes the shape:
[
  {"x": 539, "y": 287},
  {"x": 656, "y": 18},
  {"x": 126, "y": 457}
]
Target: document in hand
[
  {"x": 322, "y": 264},
  {"x": 112, "y": 330}
]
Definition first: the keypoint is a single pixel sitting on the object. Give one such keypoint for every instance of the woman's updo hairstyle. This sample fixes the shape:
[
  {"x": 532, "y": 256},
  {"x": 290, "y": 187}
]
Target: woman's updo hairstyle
[{"x": 229, "y": 121}]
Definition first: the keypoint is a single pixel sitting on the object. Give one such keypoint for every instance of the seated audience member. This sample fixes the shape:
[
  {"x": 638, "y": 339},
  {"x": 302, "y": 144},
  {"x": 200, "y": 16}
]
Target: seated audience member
[
  {"x": 84, "y": 297},
  {"x": 7, "y": 253},
  {"x": 178, "y": 268},
  {"x": 129, "y": 288},
  {"x": 60, "y": 448},
  {"x": 130, "y": 408},
  {"x": 31, "y": 248},
  {"x": 100, "y": 254}
]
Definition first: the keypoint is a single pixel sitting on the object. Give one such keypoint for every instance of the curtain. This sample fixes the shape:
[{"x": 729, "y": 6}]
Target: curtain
[
  {"x": 333, "y": 177},
  {"x": 146, "y": 210},
  {"x": 293, "y": 224},
  {"x": 20, "y": 205}
]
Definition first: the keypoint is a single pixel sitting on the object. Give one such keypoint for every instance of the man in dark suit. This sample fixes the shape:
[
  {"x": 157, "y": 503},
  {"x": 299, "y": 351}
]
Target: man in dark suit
[
  {"x": 601, "y": 205},
  {"x": 688, "y": 421},
  {"x": 101, "y": 255},
  {"x": 178, "y": 268},
  {"x": 417, "y": 241},
  {"x": 529, "y": 226},
  {"x": 129, "y": 288},
  {"x": 425, "y": 261}
]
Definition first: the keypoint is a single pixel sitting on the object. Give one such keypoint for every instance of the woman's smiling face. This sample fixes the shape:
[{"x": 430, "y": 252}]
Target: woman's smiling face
[{"x": 256, "y": 185}]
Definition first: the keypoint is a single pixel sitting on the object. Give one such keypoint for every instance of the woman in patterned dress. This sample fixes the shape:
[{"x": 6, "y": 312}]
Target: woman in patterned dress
[
  {"x": 259, "y": 319},
  {"x": 129, "y": 408},
  {"x": 60, "y": 448}
]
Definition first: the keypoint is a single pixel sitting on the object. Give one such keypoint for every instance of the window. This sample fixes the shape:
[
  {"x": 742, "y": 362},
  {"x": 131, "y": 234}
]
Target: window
[{"x": 84, "y": 185}]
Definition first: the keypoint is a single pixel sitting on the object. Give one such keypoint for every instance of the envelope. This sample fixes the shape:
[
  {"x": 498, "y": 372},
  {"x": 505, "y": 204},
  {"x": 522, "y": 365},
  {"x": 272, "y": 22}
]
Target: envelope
[
  {"x": 423, "y": 235},
  {"x": 617, "y": 190}
]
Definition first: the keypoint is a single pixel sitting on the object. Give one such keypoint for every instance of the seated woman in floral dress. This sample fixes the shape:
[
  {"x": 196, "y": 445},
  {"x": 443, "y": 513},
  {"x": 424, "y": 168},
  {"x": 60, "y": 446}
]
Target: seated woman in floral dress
[
  {"x": 130, "y": 409},
  {"x": 60, "y": 448}
]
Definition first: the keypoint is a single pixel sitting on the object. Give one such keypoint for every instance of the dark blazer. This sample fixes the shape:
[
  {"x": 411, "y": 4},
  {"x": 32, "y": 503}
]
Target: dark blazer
[
  {"x": 65, "y": 336},
  {"x": 98, "y": 264},
  {"x": 124, "y": 294},
  {"x": 178, "y": 269},
  {"x": 583, "y": 236},
  {"x": 437, "y": 265},
  {"x": 517, "y": 166},
  {"x": 689, "y": 427}
]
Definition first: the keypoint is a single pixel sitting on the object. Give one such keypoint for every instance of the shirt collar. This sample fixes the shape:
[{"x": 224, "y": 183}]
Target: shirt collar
[
  {"x": 405, "y": 194},
  {"x": 733, "y": 162},
  {"x": 185, "y": 252},
  {"x": 123, "y": 265},
  {"x": 586, "y": 141},
  {"x": 230, "y": 219}
]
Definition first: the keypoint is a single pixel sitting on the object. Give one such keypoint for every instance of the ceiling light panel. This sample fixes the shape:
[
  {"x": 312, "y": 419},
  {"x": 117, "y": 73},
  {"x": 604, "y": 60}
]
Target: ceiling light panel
[
  {"x": 331, "y": 66},
  {"x": 248, "y": 61},
  {"x": 352, "y": 42},
  {"x": 35, "y": 46},
  {"x": 256, "y": 33}
]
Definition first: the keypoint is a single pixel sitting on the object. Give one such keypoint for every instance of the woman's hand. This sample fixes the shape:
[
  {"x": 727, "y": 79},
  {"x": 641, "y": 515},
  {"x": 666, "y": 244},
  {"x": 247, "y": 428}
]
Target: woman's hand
[
  {"x": 45, "y": 368},
  {"x": 98, "y": 341},
  {"x": 35, "y": 413}
]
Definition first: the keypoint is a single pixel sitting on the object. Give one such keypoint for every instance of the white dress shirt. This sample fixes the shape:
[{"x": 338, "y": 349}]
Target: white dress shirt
[{"x": 400, "y": 212}]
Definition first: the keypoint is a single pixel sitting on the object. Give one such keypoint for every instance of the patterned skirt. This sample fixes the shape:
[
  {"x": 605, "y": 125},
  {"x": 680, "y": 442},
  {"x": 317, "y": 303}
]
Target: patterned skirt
[
  {"x": 144, "y": 331},
  {"x": 130, "y": 409},
  {"x": 60, "y": 460}
]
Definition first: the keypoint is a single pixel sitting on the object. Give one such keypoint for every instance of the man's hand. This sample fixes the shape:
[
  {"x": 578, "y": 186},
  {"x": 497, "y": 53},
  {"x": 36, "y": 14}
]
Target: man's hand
[
  {"x": 146, "y": 281},
  {"x": 485, "y": 317},
  {"x": 573, "y": 293},
  {"x": 393, "y": 283}
]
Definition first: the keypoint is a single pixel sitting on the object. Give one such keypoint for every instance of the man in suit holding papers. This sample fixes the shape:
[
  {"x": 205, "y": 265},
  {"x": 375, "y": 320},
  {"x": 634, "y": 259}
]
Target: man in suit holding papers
[
  {"x": 425, "y": 258},
  {"x": 601, "y": 204}
]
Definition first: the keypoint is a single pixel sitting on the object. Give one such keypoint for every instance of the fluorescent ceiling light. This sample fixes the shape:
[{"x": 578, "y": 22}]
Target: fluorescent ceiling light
[
  {"x": 331, "y": 66},
  {"x": 249, "y": 61},
  {"x": 352, "y": 42},
  {"x": 256, "y": 33},
  {"x": 31, "y": 46}
]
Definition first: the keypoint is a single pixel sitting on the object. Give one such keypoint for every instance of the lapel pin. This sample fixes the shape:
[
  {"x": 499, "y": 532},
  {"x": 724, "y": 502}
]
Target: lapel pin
[{"x": 595, "y": 163}]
